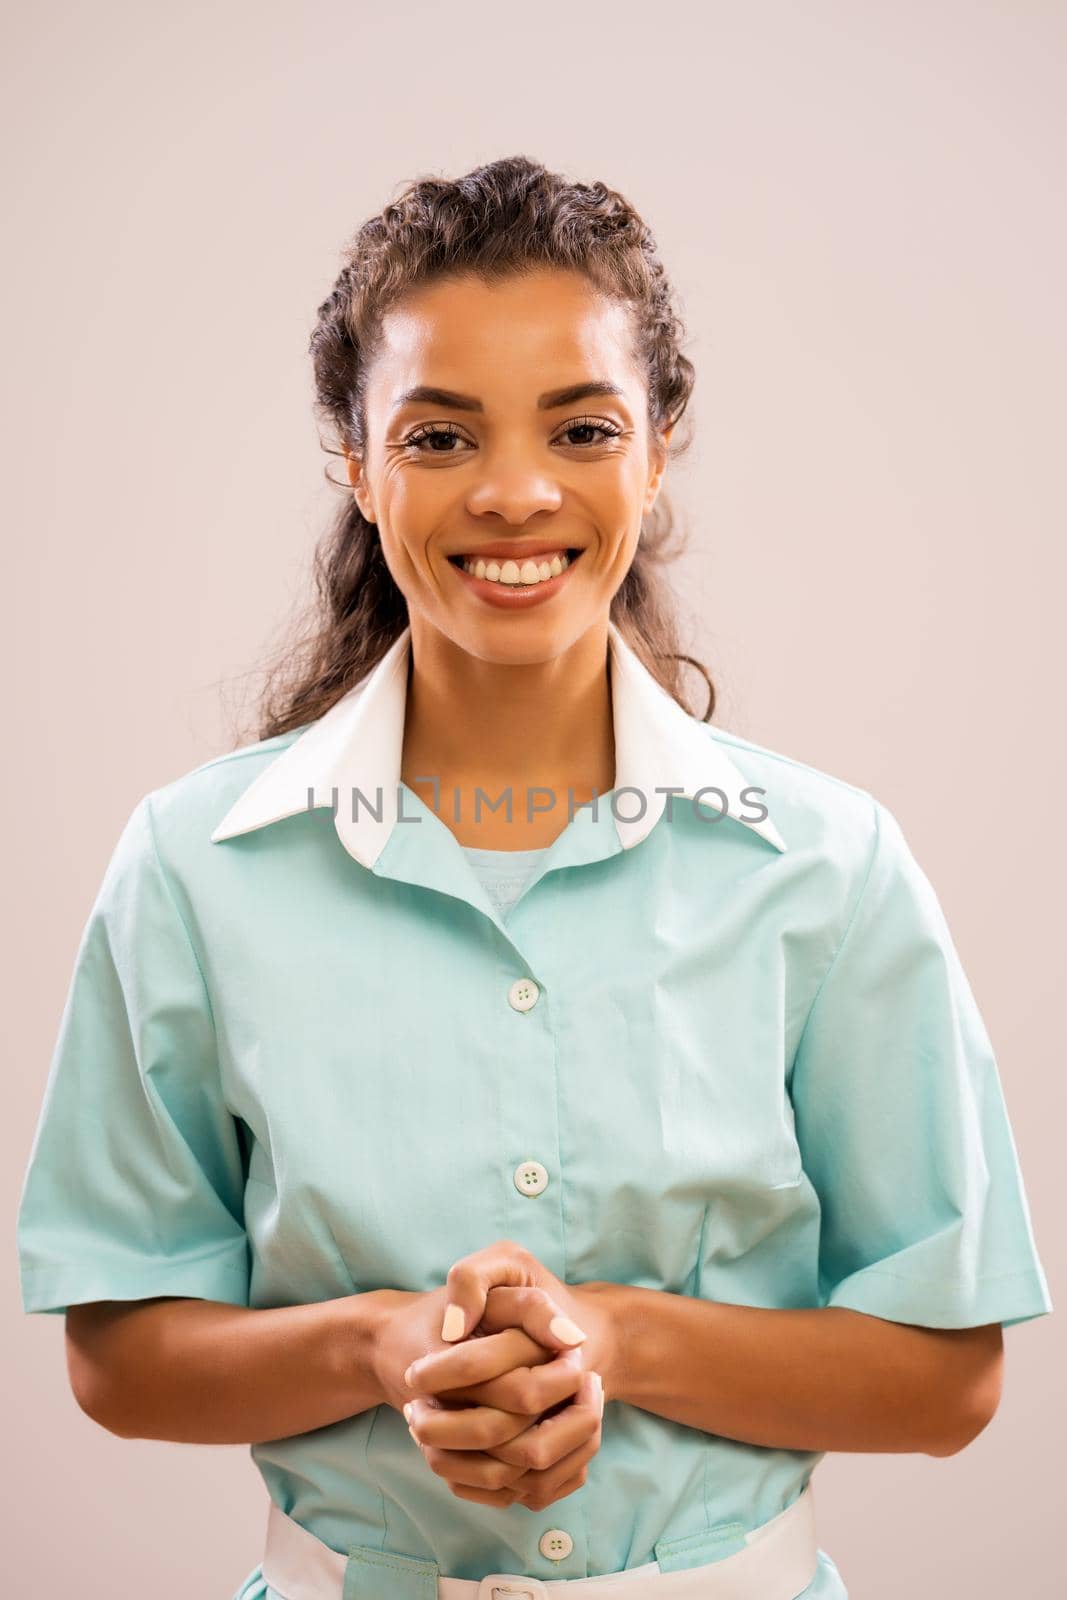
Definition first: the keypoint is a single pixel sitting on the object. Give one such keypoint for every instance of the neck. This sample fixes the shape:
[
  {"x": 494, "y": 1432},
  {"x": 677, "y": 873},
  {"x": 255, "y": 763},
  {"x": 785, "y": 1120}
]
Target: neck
[{"x": 545, "y": 724}]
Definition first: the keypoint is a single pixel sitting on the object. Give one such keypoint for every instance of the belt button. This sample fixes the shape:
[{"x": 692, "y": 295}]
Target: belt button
[
  {"x": 505, "y": 1586},
  {"x": 556, "y": 1544}
]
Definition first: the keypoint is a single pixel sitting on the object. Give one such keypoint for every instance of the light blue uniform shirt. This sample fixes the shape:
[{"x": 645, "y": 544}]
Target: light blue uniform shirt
[{"x": 303, "y": 1055}]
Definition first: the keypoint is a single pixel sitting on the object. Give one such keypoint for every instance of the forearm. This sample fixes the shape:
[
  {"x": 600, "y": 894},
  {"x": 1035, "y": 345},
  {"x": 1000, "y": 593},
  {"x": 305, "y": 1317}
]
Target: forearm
[
  {"x": 813, "y": 1380},
  {"x": 203, "y": 1372}
]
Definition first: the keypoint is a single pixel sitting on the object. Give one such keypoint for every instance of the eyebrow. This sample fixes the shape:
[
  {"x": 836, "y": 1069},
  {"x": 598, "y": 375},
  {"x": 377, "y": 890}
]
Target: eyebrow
[{"x": 428, "y": 394}]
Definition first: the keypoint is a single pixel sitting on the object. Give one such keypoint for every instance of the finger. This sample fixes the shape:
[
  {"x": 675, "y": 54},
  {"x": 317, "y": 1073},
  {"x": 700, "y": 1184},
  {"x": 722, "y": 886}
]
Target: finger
[
  {"x": 470, "y": 1279},
  {"x": 534, "y": 1391},
  {"x": 549, "y": 1442},
  {"x": 504, "y": 1264},
  {"x": 473, "y": 1361},
  {"x": 472, "y": 1468},
  {"x": 477, "y": 1428},
  {"x": 485, "y": 1497},
  {"x": 472, "y": 1475},
  {"x": 535, "y": 1311},
  {"x": 537, "y": 1489},
  {"x": 547, "y": 1497},
  {"x": 520, "y": 1351},
  {"x": 530, "y": 1389}
]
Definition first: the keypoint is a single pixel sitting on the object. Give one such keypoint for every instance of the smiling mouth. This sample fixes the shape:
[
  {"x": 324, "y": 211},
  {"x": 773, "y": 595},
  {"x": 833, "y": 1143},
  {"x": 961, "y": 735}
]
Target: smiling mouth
[{"x": 517, "y": 573}]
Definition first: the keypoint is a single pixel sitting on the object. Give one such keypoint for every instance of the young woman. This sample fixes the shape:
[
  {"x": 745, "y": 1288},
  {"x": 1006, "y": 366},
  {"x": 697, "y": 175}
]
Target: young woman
[{"x": 493, "y": 1037}]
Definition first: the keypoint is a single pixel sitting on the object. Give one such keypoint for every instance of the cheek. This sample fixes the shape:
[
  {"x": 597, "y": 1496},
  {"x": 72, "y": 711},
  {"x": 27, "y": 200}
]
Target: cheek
[
  {"x": 619, "y": 525},
  {"x": 618, "y": 501},
  {"x": 407, "y": 498},
  {"x": 410, "y": 509}
]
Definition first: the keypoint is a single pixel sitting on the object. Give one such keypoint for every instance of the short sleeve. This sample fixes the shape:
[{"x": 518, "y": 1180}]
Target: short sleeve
[
  {"x": 134, "y": 1187},
  {"x": 901, "y": 1120}
]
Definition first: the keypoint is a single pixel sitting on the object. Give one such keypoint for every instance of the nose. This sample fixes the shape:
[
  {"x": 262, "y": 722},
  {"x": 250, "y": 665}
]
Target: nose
[{"x": 514, "y": 489}]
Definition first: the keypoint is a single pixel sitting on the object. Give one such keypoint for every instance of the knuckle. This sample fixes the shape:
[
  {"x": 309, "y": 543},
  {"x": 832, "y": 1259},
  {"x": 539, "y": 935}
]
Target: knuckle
[
  {"x": 526, "y": 1399},
  {"x": 484, "y": 1434},
  {"x": 505, "y": 1445}
]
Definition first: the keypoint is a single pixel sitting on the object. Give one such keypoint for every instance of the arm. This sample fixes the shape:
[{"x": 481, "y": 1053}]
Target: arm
[
  {"x": 819, "y": 1379},
  {"x": 203, "y": 1372}
]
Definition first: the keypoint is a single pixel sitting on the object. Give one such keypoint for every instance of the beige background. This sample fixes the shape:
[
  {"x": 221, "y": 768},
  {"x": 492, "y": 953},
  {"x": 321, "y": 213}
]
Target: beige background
[{"x": 862, "y": 206}]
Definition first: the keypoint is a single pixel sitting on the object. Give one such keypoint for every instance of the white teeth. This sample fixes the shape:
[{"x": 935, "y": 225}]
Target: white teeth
[{"x": 530, "y": 572}]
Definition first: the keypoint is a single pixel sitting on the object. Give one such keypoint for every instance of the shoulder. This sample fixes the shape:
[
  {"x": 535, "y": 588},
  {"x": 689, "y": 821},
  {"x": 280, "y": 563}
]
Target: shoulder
[
  {"x": 179, "y": 816},
  {"x": 817, "y": 812}
]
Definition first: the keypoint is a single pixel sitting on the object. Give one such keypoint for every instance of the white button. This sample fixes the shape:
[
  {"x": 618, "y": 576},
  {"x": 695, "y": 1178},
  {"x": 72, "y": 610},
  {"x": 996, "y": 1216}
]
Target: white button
[
  {"x": 531, "y": 1177},
  {"x": 555, "y": 1544},
  {"x": 523, "y": 994}
]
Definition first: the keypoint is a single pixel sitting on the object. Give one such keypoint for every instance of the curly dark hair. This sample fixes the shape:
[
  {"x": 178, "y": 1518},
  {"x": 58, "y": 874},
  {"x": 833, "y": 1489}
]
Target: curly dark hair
[{"x": 507, "y": 217}]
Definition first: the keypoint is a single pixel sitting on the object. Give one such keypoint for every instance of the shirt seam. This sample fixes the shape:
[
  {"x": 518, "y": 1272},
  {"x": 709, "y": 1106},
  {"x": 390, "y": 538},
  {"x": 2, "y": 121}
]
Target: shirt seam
[
  {"x": 739, "y": 742},
  {"x": 697, "y": 1274},
  {"x": 245, "y": 751},
  {"x": 908, "y": 1277},
  {"x": 848, "y": 925},
  {"x": 61, "y": 1267},
  {"x": 178, "y": 911}
]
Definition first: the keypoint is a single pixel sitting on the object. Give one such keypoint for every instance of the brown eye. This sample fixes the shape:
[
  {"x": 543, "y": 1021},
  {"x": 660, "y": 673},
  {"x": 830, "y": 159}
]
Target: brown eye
[
  {"x": 589, "y": 425},
  {"x": 434, "y": 433}
]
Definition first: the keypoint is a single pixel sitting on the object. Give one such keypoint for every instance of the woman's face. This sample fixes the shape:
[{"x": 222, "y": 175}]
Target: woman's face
[{"x": 474, "y": 450}]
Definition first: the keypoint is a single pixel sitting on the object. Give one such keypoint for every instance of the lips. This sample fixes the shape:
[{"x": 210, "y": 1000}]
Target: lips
[{"x": 531, "y": 582}]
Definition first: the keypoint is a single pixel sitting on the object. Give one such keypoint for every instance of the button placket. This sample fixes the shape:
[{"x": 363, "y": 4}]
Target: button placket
[{"x": 532, "y": 1112}]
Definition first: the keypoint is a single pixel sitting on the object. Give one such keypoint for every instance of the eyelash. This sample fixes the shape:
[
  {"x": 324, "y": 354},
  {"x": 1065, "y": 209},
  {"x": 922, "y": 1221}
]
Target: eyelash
[{"x": 449, "y": 430}]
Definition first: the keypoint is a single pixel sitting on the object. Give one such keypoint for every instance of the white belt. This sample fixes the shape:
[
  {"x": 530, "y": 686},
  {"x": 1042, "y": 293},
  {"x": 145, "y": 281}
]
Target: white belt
[{"x": 778, "y": 1563}]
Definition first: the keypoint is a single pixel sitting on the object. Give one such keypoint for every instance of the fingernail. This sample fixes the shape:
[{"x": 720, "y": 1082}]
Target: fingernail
[
  {"x": 452, "y": 1326},
  {"x": 410, "y": 1375},
  {"x": 563, "y": 1328},
  {"x": 408, "y": 1409},
  {"x": 598, "y": 1390},
  {"x": 413, "y": 1434}
]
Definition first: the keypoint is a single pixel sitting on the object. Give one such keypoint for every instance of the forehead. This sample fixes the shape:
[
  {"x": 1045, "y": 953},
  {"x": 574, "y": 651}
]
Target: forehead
[{"x": 544, "y": 328}]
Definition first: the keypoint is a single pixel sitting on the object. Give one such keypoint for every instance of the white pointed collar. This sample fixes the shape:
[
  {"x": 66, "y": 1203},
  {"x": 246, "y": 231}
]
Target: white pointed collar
[{"x": 357, "y": 744}]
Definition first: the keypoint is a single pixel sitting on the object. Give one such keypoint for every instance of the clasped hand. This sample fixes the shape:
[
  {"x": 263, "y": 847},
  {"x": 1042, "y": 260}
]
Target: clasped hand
[{"x": 502, "y": 1402}]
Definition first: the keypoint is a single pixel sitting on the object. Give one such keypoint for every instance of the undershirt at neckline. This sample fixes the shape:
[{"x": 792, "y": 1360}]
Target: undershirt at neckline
[{"x": 504, "y": 874}]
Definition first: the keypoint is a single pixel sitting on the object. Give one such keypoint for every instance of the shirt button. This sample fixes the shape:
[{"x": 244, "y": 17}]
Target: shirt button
[
  {"x": 531, "y": 1177},
  {"x": 523, "y": 994},
  {"x": 555, "y": 1544}
]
